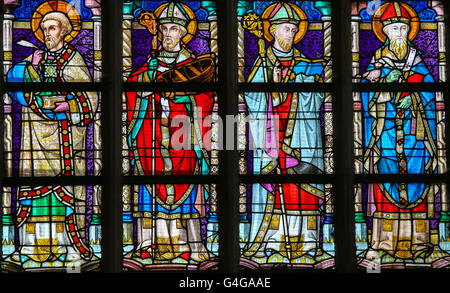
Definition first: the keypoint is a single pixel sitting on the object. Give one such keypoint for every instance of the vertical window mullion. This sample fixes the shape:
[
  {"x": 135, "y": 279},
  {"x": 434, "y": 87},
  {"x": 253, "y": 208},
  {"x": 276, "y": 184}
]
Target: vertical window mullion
[
  {"x": 228, "y": 199},
  {"x": 111, "y": 261},
  {"x": 344, "y": 179}
]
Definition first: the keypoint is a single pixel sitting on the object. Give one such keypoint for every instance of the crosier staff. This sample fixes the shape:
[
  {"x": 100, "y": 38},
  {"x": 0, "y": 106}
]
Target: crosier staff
[
  {"x": 253, "y": 23},
  {"x": 148, "y": 19}
]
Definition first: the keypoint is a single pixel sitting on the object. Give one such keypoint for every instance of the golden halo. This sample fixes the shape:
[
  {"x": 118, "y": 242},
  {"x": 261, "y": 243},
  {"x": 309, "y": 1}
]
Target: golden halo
[
  {"x": 377, "y": 25},
  {"x": 191, "y": 27},
  {"x": 302, "y": 26},
  {"x": 56, "y": 6}
]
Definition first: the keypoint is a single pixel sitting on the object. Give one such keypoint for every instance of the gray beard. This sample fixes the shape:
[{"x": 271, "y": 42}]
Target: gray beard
[{"x": 399, "y": 47}]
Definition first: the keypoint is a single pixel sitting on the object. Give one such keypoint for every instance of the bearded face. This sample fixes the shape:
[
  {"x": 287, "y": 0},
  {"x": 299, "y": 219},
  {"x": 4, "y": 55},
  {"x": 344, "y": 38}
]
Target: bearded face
[
  {"x": 54, "y": 34},
  {"x": 172, "y": 34},
  {"x": 284, "y": 35},
  {"x": 285, "y": 43},
  {"x": 51, "y": 42},
  {"x": 397, "y": 34}
]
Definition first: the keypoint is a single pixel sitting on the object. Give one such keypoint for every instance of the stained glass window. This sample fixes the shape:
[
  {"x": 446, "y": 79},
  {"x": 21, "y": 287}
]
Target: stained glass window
[
  {"x": 311, "y": 42},
  {"x": 425, "y": 37},
  {"x": 71, "y": 54},
  {"x": 51, "y": 228},
  {"x": 402, "y": 223},
  {"x": 286, "y": 224},
  {"x": 170, "y": 226},
  {"x": 51, "y": 131},
  {"x": 302, "y": 133},
  {"x": 150, "y": 42},
  {"x": 119, "y": 155},
  {"x": 399, "y": 139},
  {"x": 297, "y": 141},
  {"x": 285, "y": 133},
  {"x": 41, "y": 142},
  {"x": 179, "y": 140}
]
